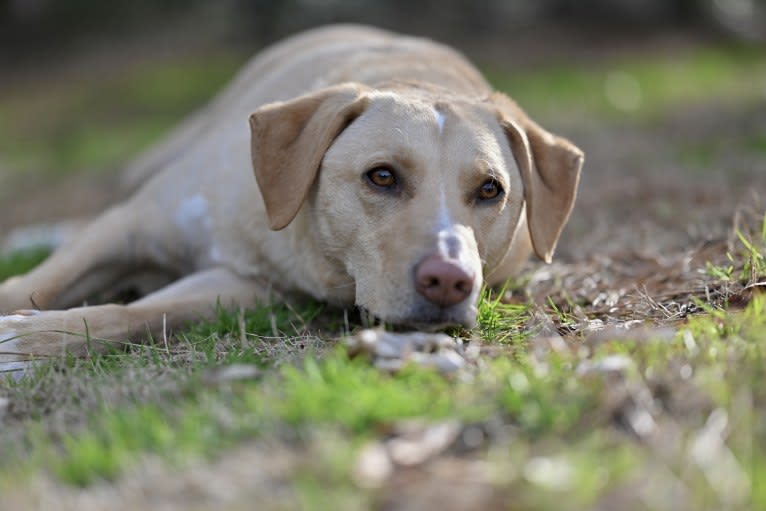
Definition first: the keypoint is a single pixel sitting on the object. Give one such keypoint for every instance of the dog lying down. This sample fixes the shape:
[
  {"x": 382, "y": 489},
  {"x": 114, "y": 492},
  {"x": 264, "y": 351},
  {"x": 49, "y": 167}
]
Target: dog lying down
[{"x": 388, "y": 175}]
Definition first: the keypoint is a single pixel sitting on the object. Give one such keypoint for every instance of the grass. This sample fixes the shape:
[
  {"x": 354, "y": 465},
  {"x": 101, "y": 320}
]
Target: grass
[
  {"x": 92, "y": 124},
  {"x": 502, "y": 321},
  {"x": 558, "y": 429},
  {"x": 555, "y": 413},
  {"x": 639, "y": 87},
  {"x": 752, "y": 253},
  {"x": 20, "y": 262}
]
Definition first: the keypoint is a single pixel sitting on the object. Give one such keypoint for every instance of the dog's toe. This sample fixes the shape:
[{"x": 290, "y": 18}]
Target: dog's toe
[{"x": 13, "y": 361}]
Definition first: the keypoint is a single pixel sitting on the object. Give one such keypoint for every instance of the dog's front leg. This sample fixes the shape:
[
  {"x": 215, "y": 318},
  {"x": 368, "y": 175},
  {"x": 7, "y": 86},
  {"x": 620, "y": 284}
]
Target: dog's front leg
[
  {"x": 131, "y": 237},
  {"x": 104, "y": 251},
  {"x": 26, "y": 336}
]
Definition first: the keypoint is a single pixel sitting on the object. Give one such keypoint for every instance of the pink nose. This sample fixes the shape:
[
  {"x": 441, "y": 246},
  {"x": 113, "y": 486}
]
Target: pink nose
[{"x": 441, "y": 281}]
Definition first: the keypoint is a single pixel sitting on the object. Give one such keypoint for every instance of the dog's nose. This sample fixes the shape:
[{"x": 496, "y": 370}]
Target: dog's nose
[{"x": 442, "y": 282}]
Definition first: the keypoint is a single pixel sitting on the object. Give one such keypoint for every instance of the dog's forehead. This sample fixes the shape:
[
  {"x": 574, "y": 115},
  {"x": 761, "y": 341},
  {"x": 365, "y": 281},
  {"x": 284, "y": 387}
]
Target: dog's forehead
[
  {"x": 387, "y": 106},
  {"x": 418, "y": 105},
  {"x": 417, "y": 117}
]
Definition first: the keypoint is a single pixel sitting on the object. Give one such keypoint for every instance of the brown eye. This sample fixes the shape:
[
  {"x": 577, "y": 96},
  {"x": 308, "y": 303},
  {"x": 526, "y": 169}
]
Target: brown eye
[
  {"x": 382, "y": 177},
  {"x": 490, "y": 190}
]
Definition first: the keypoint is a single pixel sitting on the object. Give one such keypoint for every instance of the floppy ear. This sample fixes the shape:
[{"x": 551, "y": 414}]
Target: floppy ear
[
  {"x": 289, "y": 140},
  {"x": 550, "y": 169}
]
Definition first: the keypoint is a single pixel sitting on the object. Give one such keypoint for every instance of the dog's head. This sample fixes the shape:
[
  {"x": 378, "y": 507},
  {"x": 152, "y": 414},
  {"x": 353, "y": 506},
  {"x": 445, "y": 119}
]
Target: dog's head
[{"x": 414, "y": 194}]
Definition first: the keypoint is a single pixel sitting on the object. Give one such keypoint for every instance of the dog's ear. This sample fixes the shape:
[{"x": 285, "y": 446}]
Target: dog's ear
[
  {"x": 550, "y": 169},
  {"x": 289, "y": 140}
]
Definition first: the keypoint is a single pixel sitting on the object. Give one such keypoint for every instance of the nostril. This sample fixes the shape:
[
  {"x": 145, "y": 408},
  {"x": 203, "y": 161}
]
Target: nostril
[{"x": 442, "y": 282}]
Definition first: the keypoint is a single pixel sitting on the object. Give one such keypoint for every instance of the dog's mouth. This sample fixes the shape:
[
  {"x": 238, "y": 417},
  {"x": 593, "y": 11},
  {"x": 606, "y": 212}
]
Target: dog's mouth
[
  {"x": 439, "y": 323},
  {"x": 432, "y": 318}
]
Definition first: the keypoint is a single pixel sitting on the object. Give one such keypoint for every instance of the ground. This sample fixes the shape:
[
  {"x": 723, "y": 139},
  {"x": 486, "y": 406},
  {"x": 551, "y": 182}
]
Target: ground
[{"x": 626, "y": 375}]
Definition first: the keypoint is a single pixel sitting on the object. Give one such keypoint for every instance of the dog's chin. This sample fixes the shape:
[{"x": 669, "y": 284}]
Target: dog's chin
[
  {"x": 436, "y": 325},
  {"x": 432, "y": 318}
]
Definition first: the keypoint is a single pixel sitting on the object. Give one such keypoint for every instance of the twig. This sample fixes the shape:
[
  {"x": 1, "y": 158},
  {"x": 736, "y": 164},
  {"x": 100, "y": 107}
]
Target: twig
[{"x": 165, "y": 332}]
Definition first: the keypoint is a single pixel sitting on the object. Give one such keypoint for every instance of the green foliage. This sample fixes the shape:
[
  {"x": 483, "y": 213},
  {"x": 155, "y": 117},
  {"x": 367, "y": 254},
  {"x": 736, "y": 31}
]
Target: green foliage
[
  {"x": 651, "y": 85},
  {"x": 120, "y": 436},
  {"x": 546, "y": 401},
  {"x": 20, "y": 262},
  {"x": 750, "y": 259},
  {"x": 754, "y": 268},
  {"x": 500, "y": 321},
  {"x": 95, "y": 124},
  {"x": 357, "y": 396},
  {"x": 756, "y": 143},
  {"x": 267, "y": 320}
]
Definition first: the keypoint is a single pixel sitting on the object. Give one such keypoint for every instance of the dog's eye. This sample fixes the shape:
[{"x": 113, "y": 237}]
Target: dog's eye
[
  {"x": 382, "y": 177},
  {"x": 491, "y": 189}
]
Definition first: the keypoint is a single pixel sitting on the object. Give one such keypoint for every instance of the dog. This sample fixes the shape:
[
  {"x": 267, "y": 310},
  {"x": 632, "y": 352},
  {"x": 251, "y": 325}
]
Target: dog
[{"x": 388, "y": 175}]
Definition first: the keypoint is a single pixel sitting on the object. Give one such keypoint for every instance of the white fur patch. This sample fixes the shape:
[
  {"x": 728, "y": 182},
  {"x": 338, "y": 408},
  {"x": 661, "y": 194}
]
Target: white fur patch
[
  {"x": 215, "y": 254},
  {"x": 439, "y": 120},
  {"x": 449, "y": 243},
  {"x": 12, "y": 318},
  {"x": 192, "y": 215},
  {"x": 444, "y": 221}
]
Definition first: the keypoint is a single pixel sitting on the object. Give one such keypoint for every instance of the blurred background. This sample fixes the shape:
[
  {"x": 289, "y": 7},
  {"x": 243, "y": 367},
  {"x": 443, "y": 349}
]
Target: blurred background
[
  {"x": 666, "y": 96},
  {"x": 34, "y": 27},
  {"x": 43, "y": 28}
]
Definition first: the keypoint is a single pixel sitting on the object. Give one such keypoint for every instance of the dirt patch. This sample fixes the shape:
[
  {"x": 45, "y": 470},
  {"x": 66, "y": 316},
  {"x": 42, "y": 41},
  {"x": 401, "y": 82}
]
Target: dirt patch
[
  {"x": 254, "y": 473},
  {"x": 638, "y": 194}
]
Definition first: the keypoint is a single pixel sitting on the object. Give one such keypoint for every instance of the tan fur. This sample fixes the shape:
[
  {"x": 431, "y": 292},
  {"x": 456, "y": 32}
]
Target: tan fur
[
  {"x": 325, "y": 107},
  {"x": 289, "y": 143},
  {"x": 550, "y": 167}
]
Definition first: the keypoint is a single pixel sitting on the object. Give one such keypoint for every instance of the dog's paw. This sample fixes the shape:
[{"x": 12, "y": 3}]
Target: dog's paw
[
  {"x": 15, "y": 330},
  {"x": 28, "y": 337},
  {"x": 13, "y": 360}
]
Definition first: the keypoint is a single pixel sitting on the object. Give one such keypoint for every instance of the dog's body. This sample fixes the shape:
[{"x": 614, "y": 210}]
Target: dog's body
[{"x": 425, "y": 178}]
